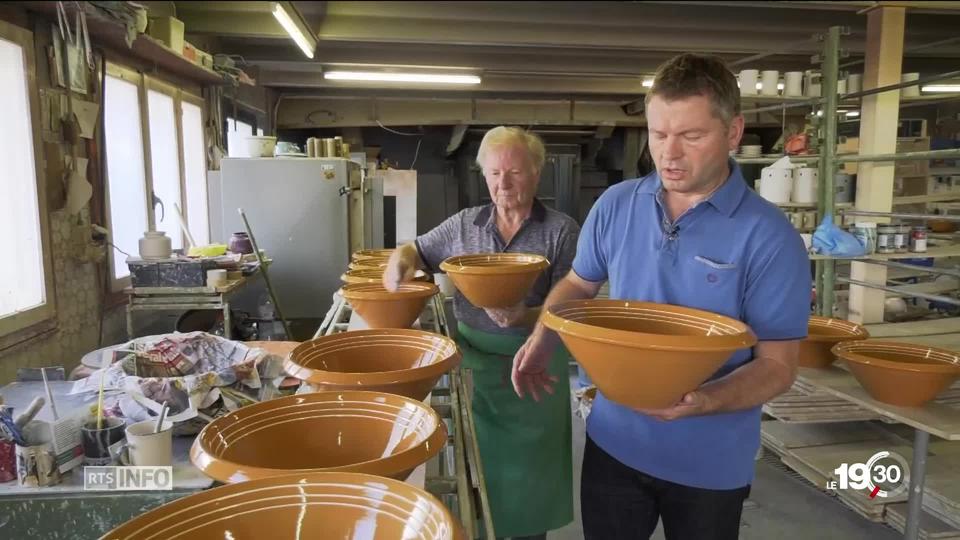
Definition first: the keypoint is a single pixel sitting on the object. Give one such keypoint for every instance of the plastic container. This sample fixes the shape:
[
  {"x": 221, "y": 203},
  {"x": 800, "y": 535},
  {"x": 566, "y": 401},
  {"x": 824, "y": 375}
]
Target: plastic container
[
  {"x": 866, "y": 233},
  {"x": 169, "y": 30}
]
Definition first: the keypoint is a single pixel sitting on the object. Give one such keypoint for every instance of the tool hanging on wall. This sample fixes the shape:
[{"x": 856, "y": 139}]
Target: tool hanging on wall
[{"x": 266, "y": 277}]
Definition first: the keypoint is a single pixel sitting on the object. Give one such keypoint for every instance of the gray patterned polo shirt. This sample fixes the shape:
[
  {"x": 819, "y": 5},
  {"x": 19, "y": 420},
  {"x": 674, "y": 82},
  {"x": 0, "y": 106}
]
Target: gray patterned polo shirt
[{"x": 546, "y": 232}]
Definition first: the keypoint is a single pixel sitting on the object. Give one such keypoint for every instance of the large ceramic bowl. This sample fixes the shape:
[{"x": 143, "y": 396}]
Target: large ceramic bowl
[
  {"x": 645, "y": 355},
  {"x": 314, "y": 505},
  {"x": 404, "y": 362},
  {"x": 371, "y": 254},
  {"x": 381, "y": 308},
  {"x": 350, "y": 431},
  {"x": 494, "y": 280},
  {"x": 899, "y": 373},
  {"x": 374, "y": 275},
  {"x": 822, "y": 334},
  {"x": 368, "y": 264}
]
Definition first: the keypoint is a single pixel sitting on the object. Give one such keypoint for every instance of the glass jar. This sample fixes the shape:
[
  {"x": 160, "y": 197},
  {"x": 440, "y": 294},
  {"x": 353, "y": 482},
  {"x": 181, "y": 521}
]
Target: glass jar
[
  {"x": 918, "y": 239},
  {"x": 886, "y": 237},
  {"x": 901, "y": 240}
]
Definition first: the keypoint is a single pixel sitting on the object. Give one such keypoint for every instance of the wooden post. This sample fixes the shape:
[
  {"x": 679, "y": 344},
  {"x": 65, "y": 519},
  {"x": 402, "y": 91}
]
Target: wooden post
[{"x": 879, "y": 116}]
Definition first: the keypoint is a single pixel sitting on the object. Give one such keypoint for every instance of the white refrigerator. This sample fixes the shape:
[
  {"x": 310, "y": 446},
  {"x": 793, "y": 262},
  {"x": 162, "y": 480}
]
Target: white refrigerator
[{"x": 298, "y": 211}]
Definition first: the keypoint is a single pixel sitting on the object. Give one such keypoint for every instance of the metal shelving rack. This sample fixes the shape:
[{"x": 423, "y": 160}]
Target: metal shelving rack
[
  {"x": 456, "y": 474},
  {"x": 828, "y": 161}
]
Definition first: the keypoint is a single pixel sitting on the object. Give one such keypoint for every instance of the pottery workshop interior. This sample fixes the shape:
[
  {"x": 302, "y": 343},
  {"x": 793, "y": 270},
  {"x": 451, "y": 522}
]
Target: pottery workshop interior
[{"x": 470, "y": 270}]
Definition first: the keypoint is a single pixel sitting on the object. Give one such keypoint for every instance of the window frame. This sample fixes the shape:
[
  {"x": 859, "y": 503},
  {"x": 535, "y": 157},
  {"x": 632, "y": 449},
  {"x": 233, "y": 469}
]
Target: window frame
[
  {"x": 24, "y": 320},
  {"x": 146, "y": 83}
]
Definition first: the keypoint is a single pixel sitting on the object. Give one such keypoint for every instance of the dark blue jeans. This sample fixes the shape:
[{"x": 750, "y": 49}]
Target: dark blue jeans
[{"x": 621, "y": 503}]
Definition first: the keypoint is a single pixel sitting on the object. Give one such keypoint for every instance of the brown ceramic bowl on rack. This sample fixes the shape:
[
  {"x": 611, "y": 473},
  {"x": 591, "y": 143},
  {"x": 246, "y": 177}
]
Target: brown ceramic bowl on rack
[
  {"x": 494, "y": 280},
  {"x": 897, "y": 373},
  {"x": 822, "y": 334},
  {"x": 371, "y": 255},
  {"x": 374, "y": 275},
  {"x": 404, "y": 362},
  {"x": 381, "y": 308},
  {"x": 369, "y": 264},
  {"x": 346, "y": 431},
  {"x": 646, "y": 355},
  {"x": 313, "y": 505}
]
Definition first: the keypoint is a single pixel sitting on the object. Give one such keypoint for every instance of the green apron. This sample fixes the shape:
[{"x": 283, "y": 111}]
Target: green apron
[{"x": 524, "y": 445}]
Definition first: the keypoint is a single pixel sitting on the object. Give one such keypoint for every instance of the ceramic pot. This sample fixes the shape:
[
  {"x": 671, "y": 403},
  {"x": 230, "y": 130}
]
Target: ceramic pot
[
  {"x": 768, "y": 82},
  {"x": 381, "y": 308},
  {"x": 793, "y": 84},
  {"x": 240, "y": 243},
  {"x": 404, "y": 362},
  {"x": 646, "y": 355},
  {"x": 349, "y": 431},
  {"x": 748, "y": 82},
  {"x": 495, "y": 280},
  {"x": 899, "y": 373},
  {"x": 155, "y": 245},
  {"x": 804, "y": 185},
  {"x": 822, "y": 334},
  {"x": 314, "y": 505},
  {"x": 375, "y": 264}
]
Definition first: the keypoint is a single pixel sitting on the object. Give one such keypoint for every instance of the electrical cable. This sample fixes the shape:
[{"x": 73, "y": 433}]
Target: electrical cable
[{"x": 398, "y": 132}]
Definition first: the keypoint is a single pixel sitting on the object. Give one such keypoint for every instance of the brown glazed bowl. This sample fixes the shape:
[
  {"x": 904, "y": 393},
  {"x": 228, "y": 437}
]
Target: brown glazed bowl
[
  {"x": 381, "y": 308},
  {"x": 822, "y": 334},
  {"x": 278, "y": 348},
  {"x": 494, "y": 280},
  {"x": 899, "y": 373},
  {"x": 645, "y": 355},
  {"x": 374, "y": 275},
  {"x": 371, "y": 255},
  {"x": 404, "y": 362},
  {"x": 350, "y": 431},
  {"x": 369, "y": 264},
  {"x": 313, "y": 505}
]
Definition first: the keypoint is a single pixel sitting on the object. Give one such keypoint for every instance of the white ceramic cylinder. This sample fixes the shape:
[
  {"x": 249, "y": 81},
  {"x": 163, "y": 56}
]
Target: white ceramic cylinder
[
  {"x": 216, "y": 278},
  {"x": 793, "y": 83},
  {"x": 775, "y": 185},
  {"x": 146, "y": 448},
  {"x": 768, "y": 81},
  {"x": 748, "y": 82},
  {"x": 811, "y": 83},
  {"x": 841, "y": 87},
  {"x": 854, "y": 82},
  {"x": 910, "y": 91},
  {"x": 804, "y": 185},
  {"x": 445, "y": 284},
  {"x": 155, "y": 245}
]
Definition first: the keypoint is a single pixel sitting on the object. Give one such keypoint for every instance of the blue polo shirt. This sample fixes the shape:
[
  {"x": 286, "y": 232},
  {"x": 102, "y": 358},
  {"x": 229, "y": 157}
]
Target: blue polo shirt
[{"x": 734, "y": 254}]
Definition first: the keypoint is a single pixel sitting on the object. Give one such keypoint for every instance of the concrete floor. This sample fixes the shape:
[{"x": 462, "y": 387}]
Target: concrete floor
[{"x": 781, "y": 505}]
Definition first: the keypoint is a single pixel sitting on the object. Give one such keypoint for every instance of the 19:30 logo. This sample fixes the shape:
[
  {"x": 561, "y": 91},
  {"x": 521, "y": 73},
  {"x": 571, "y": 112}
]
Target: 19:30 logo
[{"x": 885, "y": 474}]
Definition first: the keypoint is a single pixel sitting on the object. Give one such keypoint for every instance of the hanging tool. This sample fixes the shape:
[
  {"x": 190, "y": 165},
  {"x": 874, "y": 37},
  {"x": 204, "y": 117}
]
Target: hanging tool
[{"x": 266, "y": 278}]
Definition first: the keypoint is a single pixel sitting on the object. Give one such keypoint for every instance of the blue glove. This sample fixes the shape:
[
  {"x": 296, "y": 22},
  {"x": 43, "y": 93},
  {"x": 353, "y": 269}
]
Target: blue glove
[{"x": 831, "y": 240}]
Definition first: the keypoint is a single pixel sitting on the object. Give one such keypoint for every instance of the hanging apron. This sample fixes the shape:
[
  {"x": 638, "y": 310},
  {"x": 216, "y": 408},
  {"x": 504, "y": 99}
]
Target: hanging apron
[{"x": 525, "y": 445}]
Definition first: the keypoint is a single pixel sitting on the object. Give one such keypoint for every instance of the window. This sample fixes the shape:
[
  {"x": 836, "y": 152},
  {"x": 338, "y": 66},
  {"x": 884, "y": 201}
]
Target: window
[
  {"x": 156, "y": 161},
  {"x": 26, "y": 295}
]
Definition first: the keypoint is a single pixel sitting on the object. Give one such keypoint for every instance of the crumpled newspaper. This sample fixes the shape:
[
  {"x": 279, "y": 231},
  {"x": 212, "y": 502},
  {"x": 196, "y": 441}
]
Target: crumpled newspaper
[{"x": 197, "y": 374}]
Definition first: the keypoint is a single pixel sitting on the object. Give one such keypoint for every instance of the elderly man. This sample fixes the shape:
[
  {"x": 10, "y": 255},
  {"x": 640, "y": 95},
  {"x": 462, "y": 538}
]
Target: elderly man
[
  {"x": 692, "y": 233},
  {"x": 524, "y": 446}
]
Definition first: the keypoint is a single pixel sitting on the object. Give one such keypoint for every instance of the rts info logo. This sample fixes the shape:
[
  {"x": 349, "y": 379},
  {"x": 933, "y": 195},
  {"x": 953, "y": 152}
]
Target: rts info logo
[{"x": 884, "y": 475}]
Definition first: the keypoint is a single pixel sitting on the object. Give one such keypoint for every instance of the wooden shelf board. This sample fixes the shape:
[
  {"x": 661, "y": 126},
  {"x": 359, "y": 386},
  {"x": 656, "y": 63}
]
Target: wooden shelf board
[
  {"x": 933, "y": 197},
  {"x": 933, "y": 252}
]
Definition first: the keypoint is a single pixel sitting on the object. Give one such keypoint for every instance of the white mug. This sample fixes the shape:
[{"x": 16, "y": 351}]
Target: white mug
[{"x": 146, "y": 448}]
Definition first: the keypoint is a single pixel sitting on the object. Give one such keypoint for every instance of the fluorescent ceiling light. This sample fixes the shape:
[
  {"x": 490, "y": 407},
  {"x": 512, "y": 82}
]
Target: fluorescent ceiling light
[
  {"x": 647, "y": 83},
  {"x": 435, "y": 78},
  {"x": 941, "y": 88},
  {"x": 285, "y": 18},
  {"x": 853, "y": 114}
]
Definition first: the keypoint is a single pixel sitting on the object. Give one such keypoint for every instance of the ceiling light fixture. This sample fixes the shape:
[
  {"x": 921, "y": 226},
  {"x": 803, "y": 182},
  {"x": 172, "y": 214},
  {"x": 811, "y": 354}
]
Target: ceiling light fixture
[
  {"x": 288, "y": 16},
  {"x": 647, "y": 83},
  {"x": 940, "y": 88},
  {"x": 378, "y": 76},
  {"x": 853, "y": 114}
]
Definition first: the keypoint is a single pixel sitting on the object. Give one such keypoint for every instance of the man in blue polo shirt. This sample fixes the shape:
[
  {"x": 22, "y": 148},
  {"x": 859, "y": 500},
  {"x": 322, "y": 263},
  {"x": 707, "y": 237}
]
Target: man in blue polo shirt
[{"x": 691, "y": 234}]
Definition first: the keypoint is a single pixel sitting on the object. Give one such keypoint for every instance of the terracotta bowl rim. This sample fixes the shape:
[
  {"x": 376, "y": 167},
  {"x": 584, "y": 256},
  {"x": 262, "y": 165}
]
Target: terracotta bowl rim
[
  {"x": 624, "y": 338},
  {"x": 210, "y": 497},
  {"x": 366, "y": 275},
  {"x": 369, "y": 254},
  {"x": 847, "y": 350},
  {"x": 373, "y": 378},
  {"x": 399, "y": 462},
  {"x": 415, "y": 289},
  {"x": 514, "y": 263},
  {"x": 366, "y": 265},
  {"x": 855, "y": 332}
]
